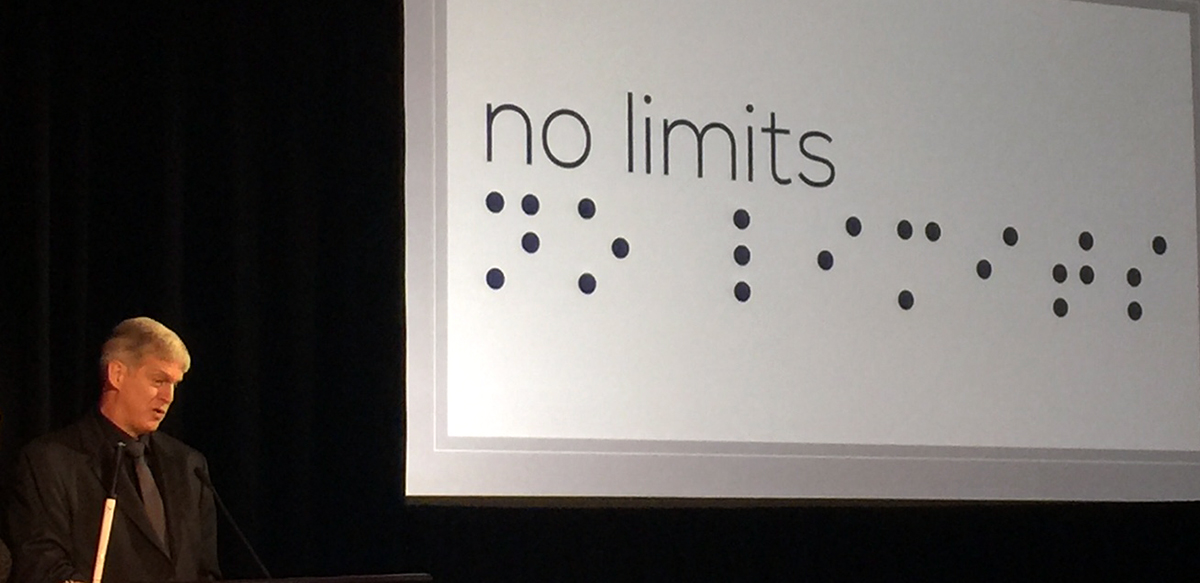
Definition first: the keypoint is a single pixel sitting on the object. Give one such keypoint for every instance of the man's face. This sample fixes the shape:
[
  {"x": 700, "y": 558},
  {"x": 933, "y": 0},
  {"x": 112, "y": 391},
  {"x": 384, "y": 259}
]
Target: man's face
[{"x": 142, "y": 393}]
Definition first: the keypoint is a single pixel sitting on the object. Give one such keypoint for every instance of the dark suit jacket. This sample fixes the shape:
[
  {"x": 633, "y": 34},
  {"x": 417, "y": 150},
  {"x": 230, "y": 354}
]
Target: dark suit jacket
[{"x": 55, "y": 514}]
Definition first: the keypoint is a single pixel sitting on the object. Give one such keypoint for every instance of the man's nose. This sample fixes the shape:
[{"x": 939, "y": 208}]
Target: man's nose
[{"x": 167, "y": 393}]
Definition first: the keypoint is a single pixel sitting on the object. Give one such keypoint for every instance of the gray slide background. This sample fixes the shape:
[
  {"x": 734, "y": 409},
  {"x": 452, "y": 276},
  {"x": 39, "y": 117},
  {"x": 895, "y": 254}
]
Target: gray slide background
[{"x": 1054, "y": 117}]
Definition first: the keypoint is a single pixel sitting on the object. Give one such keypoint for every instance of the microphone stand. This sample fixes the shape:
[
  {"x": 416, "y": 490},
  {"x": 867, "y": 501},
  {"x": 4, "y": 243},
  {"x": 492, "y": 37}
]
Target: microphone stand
[{"x": 228, "y": 516}]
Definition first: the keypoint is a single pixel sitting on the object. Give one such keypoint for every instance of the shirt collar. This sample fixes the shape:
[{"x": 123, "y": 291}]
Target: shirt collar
[{"x": 114, "y": 434}]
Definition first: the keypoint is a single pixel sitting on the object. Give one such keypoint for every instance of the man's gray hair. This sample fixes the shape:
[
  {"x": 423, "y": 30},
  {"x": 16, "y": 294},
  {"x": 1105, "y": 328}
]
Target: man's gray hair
[{"x": 135, "y": 338}]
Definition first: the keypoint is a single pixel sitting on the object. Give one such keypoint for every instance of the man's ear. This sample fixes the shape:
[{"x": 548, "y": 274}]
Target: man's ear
[{"x": 116, "y": 373}]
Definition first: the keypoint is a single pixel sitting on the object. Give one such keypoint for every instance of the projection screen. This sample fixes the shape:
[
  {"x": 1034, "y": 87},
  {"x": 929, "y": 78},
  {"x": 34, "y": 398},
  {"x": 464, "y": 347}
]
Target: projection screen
[{"x": 782, "y": 249}]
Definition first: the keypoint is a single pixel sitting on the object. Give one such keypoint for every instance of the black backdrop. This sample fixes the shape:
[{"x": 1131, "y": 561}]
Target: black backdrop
[{"x": 234, "y": 169}]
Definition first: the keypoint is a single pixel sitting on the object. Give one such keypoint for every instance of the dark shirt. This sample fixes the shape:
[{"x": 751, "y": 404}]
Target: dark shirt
[{"x": 116, "y": 435}]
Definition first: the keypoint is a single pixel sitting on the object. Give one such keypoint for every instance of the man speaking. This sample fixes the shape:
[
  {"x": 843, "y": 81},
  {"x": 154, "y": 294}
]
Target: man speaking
[{"x": 164, "y": 527}]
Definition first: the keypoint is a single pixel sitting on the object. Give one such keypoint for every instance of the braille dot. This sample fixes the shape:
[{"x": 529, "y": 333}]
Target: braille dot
[
  {"x": 1159, "y": 245},
  {"x": 741, "y": 291},
  {"x": 741, "y": 219},
  {"x": 741, "y": 254},
  {"x": 495, "y": 201},
  {"x": 530, "y": 204},
  {"x": 1087, "y": 275},
  {"x": 983, "y": 269},
  {"x": 1134, "y": 277},
  {"x": 620, "y": 247},
  {"x": 853, "y": 226},
  {"x": 1086, "y": 241},
  {"x": 495, "y": 278},
  {"x": 933, "y": 231},
  {"x": 587, "y": 208},
  {"x": 530, "y": 242},
  {"x": 906, "y": 300},
  {"x": 1010, "y": 236},
  {"x": 825, "y": 260},
  {"x": 1060, "y": 273},
  {"x": 587, "y": 283},
  {"x": 904, "y": 229},
  {"x": 1060, "y": 307},
  {"x": 1135, "y": 311}
]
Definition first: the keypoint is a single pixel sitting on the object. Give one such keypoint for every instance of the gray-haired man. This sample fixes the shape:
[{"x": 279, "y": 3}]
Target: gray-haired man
[{"x": 164, "y": 528}]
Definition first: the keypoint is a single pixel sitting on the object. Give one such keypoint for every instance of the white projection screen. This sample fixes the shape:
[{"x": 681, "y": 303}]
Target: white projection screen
[{"x": 797, "y": 249}]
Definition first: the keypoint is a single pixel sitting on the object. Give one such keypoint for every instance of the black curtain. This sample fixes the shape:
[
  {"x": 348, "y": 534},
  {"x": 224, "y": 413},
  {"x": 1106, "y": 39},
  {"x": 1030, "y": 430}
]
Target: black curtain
[{"x": 234, "y": 169}]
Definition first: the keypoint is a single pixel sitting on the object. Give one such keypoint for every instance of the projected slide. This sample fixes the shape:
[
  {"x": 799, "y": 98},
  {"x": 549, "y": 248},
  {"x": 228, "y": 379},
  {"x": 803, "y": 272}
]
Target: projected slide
[{"x": 821, "y": 249}]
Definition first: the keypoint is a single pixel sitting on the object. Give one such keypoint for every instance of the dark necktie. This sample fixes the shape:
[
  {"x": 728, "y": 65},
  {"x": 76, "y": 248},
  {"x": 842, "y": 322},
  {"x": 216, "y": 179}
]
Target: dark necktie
[{"x": 151, "y": 497}]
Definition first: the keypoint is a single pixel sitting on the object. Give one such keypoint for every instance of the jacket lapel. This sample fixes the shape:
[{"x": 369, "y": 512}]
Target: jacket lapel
[
  {"x": 174, "y": 490},
  {"x": 100, "y": 454}
]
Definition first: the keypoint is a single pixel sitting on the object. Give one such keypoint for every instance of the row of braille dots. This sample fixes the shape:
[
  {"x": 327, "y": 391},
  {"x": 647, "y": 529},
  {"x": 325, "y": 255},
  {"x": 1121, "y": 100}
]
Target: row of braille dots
[
  {"x": 904, "y": 230},
  {"x": 933, "y": 232},
  {"x": 1087, "y": 275},
  {"x": 741, "y": 254},
  {"x": 531, "y": 243}
]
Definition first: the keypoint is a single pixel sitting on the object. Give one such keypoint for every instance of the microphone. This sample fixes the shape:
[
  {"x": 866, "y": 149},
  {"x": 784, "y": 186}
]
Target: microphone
[
  {"x": 203, "y": 476},
  {"x": 120, "y": 457},
  {"x": 110, "y": 508}
]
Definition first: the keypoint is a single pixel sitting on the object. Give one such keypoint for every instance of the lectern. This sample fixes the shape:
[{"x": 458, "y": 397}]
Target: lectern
[{"x": 393, "y": 578}]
